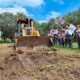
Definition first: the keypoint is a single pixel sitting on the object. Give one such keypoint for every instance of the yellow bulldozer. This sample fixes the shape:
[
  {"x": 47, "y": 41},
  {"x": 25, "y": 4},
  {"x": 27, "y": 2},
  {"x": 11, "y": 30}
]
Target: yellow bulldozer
[{"x": 27, "y": 36}]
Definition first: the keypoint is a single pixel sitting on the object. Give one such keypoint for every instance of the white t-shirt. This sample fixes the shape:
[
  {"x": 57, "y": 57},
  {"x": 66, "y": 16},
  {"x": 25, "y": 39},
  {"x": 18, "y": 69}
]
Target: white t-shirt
[{"x": 70, "y": 32}]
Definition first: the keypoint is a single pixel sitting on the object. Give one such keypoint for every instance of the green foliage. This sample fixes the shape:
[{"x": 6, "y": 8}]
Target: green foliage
[
  {"x": 8, "y": 24},
  {"x": 42, "y": 28},
  {"x": 73, "y": 17}
]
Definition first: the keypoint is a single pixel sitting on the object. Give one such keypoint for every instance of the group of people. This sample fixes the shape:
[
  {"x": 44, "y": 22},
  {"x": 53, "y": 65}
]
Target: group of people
[{"x": 66, "y": 36}]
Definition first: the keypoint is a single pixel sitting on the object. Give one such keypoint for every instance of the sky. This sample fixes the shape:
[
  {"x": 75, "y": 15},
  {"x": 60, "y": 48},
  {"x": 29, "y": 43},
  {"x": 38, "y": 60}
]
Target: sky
[{"x": 40, "y": 10}]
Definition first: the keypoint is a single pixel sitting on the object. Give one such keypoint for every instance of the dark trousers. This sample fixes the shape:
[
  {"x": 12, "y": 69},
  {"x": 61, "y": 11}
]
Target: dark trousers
[
  {"x": 69, "y": 42},
  {"x": 55, "y": 40},
  {"x": 61, "y": 42},
  {"x": 66, "y": 41},
  {"x": 78, "y": 41}
]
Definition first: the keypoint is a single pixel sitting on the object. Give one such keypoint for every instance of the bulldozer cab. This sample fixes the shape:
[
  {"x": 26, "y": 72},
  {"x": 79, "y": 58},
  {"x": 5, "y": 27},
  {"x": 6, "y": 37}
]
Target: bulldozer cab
[{"x": 25, "y": 27}]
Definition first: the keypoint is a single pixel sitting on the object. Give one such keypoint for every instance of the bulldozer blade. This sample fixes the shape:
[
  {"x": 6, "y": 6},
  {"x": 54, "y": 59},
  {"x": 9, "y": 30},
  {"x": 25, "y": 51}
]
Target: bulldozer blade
[{"x": 31, "y": 41}]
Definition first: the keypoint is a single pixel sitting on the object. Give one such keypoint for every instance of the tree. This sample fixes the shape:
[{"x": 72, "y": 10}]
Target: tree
[
  {"x": 73, "y": 17},
  {"x": 8, "y": 24}
]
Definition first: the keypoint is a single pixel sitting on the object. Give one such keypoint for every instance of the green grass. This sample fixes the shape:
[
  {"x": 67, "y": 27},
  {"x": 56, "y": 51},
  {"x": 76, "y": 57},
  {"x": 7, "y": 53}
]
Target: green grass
[
  {"x": 1, "y": 41},
  {"x": 66, "y": 48},
  {"x": 7, "y": 42},
  {"x": 74, "y": 47}
]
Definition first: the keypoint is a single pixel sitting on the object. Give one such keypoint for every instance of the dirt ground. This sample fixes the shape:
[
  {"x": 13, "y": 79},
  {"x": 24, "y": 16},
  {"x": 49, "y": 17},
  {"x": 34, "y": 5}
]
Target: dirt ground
[{"x": 39, "y": 63}]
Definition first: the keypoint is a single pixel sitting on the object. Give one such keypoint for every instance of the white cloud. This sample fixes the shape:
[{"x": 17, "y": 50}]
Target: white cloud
[
  {"x": 14, "y": 10},
  {"x": 23, "y": 3},
  {"x": 59, "y": 1},
  {"x": 53, "y": 14},
  {"x": 30, "y": 3}
]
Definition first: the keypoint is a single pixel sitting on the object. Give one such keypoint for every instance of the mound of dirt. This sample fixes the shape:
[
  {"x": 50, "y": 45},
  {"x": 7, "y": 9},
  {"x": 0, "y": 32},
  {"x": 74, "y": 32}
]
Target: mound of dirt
[
  {"x": 12, "y": 61},
  {"x": 38, "y": 56},
  {"x": 39, "y": 63}
]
